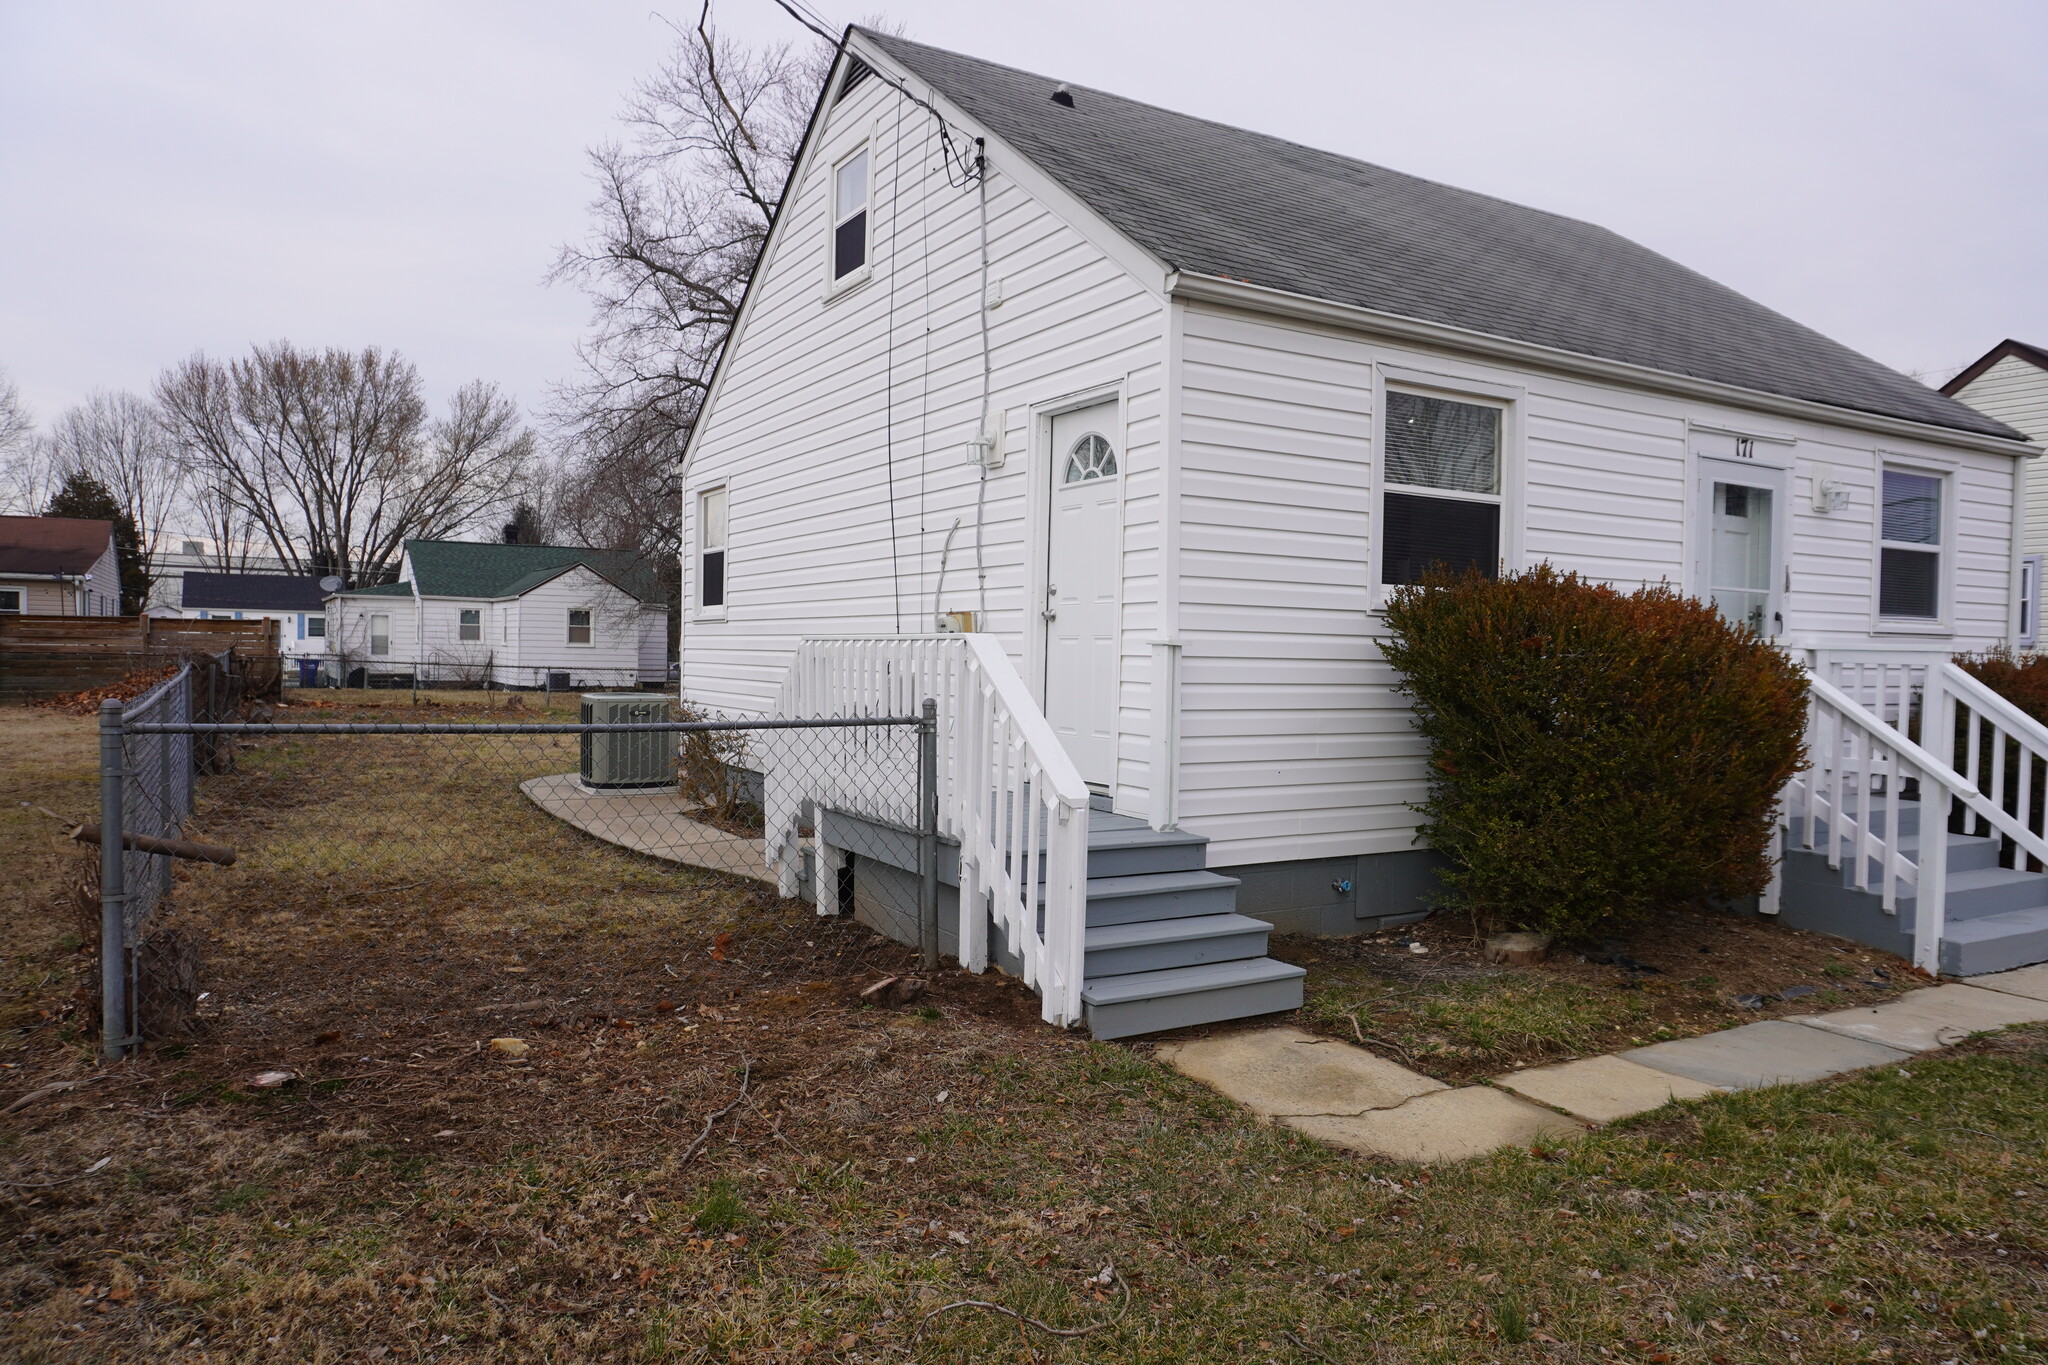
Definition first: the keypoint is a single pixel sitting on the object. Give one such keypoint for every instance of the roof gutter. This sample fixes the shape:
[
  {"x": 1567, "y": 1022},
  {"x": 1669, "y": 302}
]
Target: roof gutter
[
  {"x": 1261, "y": 299},
  {"x": 13, "y": 577}
]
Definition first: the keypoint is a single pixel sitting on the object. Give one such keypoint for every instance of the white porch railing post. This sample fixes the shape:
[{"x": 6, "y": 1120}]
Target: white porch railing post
[{"x": 1930, "y": 902}]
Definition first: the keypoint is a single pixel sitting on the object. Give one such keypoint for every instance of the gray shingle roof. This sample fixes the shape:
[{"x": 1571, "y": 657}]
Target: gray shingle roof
[
  {"x": 251, "y": 591},
  {"x": 1210, "y": 199}
]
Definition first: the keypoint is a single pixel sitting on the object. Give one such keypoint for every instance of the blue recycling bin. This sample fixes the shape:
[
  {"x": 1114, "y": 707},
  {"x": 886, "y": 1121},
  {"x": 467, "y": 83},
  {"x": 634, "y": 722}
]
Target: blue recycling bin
[{"x": 309, "y": 672}]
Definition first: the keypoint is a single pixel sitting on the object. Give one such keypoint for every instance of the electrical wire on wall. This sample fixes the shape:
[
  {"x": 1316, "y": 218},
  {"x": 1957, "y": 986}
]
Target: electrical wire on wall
[{"x": 962, "y": 168}]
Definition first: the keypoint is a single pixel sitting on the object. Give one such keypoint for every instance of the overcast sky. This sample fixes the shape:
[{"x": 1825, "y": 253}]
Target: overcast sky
[{"x": 177, "y": 175}]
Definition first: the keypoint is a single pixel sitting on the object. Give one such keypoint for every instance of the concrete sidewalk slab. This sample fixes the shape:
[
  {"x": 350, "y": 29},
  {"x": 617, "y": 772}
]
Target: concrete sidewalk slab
[
  {"x": 1773, "y": 1052},
  {"x": 2031, "y": 982},
  {"x": 1446, "y": 1125},
  {"x": 1939, "y": 1016},
  {"x": 1603, "y": 1089},
  {"x": 1280, "y": 1072}
]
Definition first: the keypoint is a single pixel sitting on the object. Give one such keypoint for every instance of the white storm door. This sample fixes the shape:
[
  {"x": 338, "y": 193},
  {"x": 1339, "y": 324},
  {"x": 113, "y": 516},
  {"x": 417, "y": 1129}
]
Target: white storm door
[
  {"x": 1081, "y": 567},
  {"x": 1743, "y": 572}
]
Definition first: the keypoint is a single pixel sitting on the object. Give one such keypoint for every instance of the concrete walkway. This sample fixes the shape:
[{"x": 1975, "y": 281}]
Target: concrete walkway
[
  {"x": 654, "y": 822},
  {"x": 1347, "y": 1096}
]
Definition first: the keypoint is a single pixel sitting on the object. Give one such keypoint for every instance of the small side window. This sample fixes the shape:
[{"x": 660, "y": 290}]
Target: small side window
[
  {"x": 316, "y": 627},
  {"x": 380, "y": 634},
  {"x": 2030, "y": 601},
  {"x": 579, "y": 625},
  {"x": 10, "y": 601},
  {"x": 711, "y": 548},
  {"x": 850, "y": 215},
  {"x": 471, "y": 625}
]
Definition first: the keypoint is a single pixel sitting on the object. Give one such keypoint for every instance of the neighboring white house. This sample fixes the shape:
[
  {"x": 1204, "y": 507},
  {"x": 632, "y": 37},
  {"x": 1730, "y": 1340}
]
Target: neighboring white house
[
  {"x": 295, "y": 601},
  {"x": 1168, "y": 408},
  {"x": 489, "y": 614},
  {"x": 174, "y": 554},
  {"x": 58, "y": 566},
  {"x": 2010, "y": 382}
]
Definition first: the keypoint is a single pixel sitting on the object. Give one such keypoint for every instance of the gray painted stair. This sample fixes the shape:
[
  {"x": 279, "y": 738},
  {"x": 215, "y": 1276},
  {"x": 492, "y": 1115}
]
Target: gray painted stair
[
  {"x": 1997, "y": 917},
  {"x": 1165, "y": 946}
]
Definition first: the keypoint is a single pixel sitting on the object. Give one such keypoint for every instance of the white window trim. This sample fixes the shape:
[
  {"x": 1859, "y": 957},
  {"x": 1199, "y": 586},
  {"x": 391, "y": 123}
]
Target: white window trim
[
  {"x": 20, "y": 596},
  {"x": 568, "y": 625},
  {"x": 838, "y": 285},
  {"x": 462, "y": 625},
  {"x": 375, "y": 653},
  {"x": 693, "y": 567},
  {"x": 2030, "y": 600},
  {"x": 1944, "y": 622},
  {"x": 1509, "y": 398}
]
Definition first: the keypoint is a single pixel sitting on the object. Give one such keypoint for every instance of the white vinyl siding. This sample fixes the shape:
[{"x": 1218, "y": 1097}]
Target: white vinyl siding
[
  {"x": 806, "y": 409},
  {"x": 2015, "y": 391}
]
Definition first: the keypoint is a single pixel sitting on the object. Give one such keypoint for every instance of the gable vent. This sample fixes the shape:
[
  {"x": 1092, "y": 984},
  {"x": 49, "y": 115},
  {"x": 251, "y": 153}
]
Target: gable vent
[{"x": 856, "y": 72}]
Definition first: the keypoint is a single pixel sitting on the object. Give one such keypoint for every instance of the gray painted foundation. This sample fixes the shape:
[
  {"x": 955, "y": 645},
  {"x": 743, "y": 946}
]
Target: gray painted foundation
[{"x": 1338, "y": 897}]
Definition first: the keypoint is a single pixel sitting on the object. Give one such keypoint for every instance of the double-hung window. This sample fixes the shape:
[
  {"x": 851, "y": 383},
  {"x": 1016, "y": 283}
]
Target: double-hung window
[
  {"x": 850, "y": 215},
  {"x": 1440, "y": 501},
  {"x": 316, "y": 627},
  {"x": 470, "y": 625},
  {"x": 2030, "y": 601},
  {"x": 380, "y": 634},
  {"x": 711, "y": 549},
  {"x": 579, "y": 625},
  {"x": 1909, "y": 572}
]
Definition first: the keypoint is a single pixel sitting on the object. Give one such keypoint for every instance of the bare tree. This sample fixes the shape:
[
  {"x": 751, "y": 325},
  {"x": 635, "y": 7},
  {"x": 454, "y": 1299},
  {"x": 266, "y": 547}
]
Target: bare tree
[
  {"x": 681, "y": 215},
  {"x": 25, "y": 478},
  {"x": 332, "y": 458},
  {"x": 116, "y": 438}
]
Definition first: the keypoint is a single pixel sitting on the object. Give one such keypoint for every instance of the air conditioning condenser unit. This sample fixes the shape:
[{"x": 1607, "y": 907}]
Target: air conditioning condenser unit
[{"x": 630, "y": 760}]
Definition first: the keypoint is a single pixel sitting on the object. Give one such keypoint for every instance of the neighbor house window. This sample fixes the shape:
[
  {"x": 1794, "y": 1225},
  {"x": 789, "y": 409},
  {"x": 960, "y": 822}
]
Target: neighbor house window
[
  {"x": 579, "y": 625},
  {"x": 192, "y": 547},
  {"x": 471, "y": 625},
  {"x": 380, "y": 634},
  {"x": 10, "y": 601},
  {"x": 711, "y": 548},
  {"x": 1909, "y": 549},
  {"x": 316, "y": 627},
  {"x": 1441, "y": 505},
  {"x": 850, "y": 215}
]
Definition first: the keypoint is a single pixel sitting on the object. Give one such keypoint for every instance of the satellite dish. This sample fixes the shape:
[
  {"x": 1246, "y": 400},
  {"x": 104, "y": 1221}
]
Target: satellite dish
[{"x": 331, "y": 584}]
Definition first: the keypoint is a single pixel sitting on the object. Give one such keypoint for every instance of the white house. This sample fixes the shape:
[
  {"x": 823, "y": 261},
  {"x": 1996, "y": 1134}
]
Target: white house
[
  {"x": 1163, "y": 409},
  {"x": 2010, "y": 382},
  {"x": 487, "y": 614},
  {"x": 295, "y": 601}
]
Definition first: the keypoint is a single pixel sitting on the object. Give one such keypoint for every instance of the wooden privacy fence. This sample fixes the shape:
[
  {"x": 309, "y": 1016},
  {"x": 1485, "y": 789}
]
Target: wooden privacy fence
[{"x": 45, "y": 654}]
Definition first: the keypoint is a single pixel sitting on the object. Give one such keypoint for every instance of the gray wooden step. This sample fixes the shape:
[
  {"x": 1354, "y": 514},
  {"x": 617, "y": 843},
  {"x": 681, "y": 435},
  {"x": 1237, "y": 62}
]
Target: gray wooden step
[
  {"x": 1176, "y": 997},
  {"x": 1995, "y": 943},
  {"x": 1159, "y": 895},
  {"x": 1153, "y": 945},
  {"x": 1114, "y": 852}
]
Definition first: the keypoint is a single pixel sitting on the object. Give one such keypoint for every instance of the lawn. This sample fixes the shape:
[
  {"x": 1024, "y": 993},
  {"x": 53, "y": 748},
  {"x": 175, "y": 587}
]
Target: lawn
[{"x": 703, "y": 1147}]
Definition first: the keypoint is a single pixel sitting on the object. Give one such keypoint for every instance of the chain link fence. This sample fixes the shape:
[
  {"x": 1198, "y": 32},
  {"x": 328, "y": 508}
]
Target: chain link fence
[{"x": 258, "y": 816}]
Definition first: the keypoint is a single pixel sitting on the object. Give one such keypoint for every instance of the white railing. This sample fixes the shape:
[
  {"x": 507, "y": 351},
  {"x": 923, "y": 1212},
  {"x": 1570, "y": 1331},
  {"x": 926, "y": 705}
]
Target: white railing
[
  {"x": 1007, "y": 792},
  {"x": 1975, "y": 750}
]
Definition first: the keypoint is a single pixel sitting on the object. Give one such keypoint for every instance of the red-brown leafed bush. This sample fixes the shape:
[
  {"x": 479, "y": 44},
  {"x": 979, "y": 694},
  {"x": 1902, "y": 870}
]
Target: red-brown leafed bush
[
  {"x": 1595, "y": 755},
  {"x": 2021, "y": 679}
]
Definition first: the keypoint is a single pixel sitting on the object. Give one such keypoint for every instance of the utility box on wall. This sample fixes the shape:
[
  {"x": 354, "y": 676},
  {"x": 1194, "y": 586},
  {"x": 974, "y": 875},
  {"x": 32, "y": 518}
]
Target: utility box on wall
[{"x": 632, "y": 760}]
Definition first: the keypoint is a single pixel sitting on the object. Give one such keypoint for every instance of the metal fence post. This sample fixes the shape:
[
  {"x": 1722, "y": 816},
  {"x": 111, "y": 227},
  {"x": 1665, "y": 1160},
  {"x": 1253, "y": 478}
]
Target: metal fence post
[
  {"x": 114, "y": 1039},
  {"x": 928, "y": 835}
]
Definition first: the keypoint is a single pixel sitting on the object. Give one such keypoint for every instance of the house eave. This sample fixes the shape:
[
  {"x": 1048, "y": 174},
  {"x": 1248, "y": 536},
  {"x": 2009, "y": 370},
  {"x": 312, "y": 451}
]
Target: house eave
[{"x": 1280, "y": 303}]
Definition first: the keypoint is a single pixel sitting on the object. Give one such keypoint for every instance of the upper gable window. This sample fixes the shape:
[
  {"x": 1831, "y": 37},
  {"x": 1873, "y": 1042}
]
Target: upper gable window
[
  {"x": 850, "y": 215},
  {"x": 1441, "y": 507}
]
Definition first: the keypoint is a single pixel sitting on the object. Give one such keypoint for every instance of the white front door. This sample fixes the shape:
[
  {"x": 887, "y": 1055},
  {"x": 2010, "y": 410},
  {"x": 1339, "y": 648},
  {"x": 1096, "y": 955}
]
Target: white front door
[
  {"x": 1081, "y": 588},
  {"x": 1744, "y": 560}
]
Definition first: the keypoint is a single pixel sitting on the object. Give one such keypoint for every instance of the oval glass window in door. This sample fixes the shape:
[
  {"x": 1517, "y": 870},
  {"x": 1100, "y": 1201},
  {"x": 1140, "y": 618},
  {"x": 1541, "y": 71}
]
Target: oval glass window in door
[{"x": 1090, "y": 458}]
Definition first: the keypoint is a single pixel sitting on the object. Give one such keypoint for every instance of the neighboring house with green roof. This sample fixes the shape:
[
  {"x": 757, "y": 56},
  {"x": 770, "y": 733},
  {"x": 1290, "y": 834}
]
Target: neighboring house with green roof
[{"x": 510, "y": 615}]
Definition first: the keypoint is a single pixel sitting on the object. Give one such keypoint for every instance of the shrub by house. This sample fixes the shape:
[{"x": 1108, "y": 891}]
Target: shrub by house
[{"x": 1595, "y": 755}]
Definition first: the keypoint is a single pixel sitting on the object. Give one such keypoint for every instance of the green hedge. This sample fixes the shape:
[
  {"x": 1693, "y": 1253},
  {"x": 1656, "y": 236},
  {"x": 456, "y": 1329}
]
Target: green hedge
[{"x": 1595, "y": 756}]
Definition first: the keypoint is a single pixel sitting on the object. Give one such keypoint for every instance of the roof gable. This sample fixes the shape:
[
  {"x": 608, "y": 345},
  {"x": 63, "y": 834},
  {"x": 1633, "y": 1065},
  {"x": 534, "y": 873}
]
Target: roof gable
[
  {"x": 1210, "y": 199},
  {"x": 53, "y": 545},
  {"x": 2019, "y": 350}
]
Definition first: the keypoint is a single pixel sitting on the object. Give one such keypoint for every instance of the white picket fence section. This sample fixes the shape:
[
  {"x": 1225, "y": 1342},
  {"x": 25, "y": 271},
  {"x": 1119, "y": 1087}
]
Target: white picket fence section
[
  {"x": 1007, "y": 792},
  {"x": 1974, "y": 749}
]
